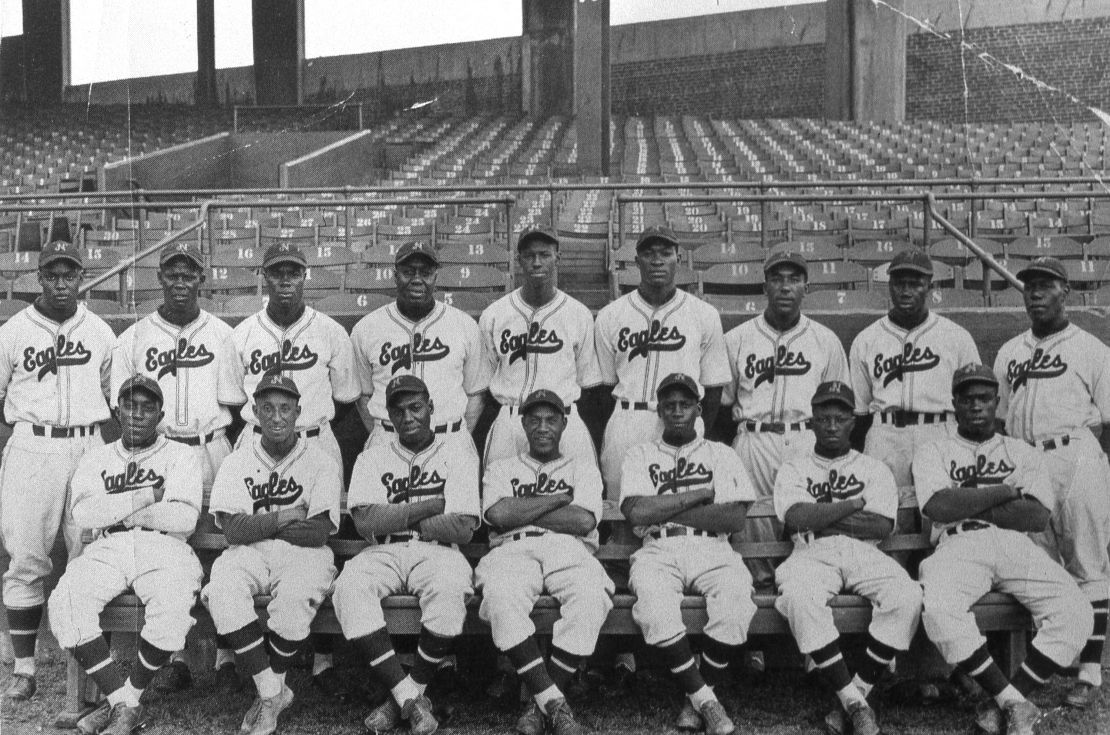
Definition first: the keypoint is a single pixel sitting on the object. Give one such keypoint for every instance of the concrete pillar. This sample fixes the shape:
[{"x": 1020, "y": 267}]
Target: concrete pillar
[
  {"x": 278, "y": 27},
  {"x": 865, "y": 61},
  {"x": 591, "y": 85},
  {"x": 44, "y": 49},
  {"x": 206, "y": 95},
  {"x": 547, "y": 57}
]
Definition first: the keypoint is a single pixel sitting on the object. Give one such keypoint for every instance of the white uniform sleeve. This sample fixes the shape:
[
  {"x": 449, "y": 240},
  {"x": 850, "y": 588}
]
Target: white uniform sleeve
[
  {"x": 489, "y": 341},
  {"x": 461, "y": 493},
  {"x": 229, "y": 374},
  {"x": 496, "y": 485},
  {"x": 790, "y": 489},
  {"x": 1100, "y": 379},
  {"x": 585, "y": 355},
  {"x": 929, "y": 476},
  {"x": 1000, "y": 361},
  {"x": 634, "y": 473},
  {"x": 714, "y": 361},
  {"x": 476, "y": 368},
  {"x": 860, "y": 375},
  {"x": 184, "y": 481},
  {"x": 731, "y": 482},
  {"x": 366, "y": 488},
  {"x": 587, "y": 486},
  {"x": 1032, "y": 476},
  {"x": 605, "y": 349},
  {"x": 967, "y": 349},
  {"x": 229, "y": 494},
  {"x": 327, "y": 488},
  {"x": 7, "y": 364},
  {"x": 881, "y": 493},
  {"x": 836, "y": 367},
  {"x": 732, "y": 354},
  {"x": 345, "y": 384},
  {"x": 122, "y": 365},
  {"x": 108, "y": 340},
  {"x": 364, "y": 366}
]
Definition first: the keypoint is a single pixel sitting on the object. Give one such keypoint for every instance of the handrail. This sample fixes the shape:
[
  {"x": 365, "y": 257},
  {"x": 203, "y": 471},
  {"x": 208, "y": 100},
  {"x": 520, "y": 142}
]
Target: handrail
[{"x": 987, "y": 259}]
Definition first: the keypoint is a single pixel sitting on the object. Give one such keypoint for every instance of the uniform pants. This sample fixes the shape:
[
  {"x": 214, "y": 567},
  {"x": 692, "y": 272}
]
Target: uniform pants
[
  {"x": 967, "y": 565},
  {"x": 895, "y": 446},
  {"x": 506, "y": 437},
  {"x": 818, "y": 569},
  {"x": 34, "y": 504},
  {"x": 627, "y": 427},
  {"x": 163, "y": 572},
  {"x": 438, "y": 575}
]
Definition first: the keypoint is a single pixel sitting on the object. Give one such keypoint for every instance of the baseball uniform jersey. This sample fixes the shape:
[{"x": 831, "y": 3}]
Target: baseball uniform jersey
[
  {"x": 1053, "y": 392},
  {"x": 550, "y": 347},
  {"x": 53, "y": 379},
  {"x": 822, "y": 566},
  {"x": 975, "y": 557}
]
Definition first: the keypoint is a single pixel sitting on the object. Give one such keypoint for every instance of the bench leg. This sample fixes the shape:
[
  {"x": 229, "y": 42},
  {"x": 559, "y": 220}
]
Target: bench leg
[
  {"x": 1014, "y": 652},
  {"x": 78, "y": 690}
]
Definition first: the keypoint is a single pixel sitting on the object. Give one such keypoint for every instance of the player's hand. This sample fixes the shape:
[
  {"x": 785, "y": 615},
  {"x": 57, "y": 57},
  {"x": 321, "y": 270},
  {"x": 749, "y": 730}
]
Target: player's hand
[
  {"x": 159, "y": 489},
  {"x": 292, "y": 515},
  {"x": 860, "y": 502},
  {"x": 709, "y": 495}
]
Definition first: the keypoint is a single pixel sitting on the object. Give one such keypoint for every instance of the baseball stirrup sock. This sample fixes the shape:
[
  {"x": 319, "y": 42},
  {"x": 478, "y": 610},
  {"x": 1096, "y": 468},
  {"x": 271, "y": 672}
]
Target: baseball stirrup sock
[
  {"x": 1035, "y": 671},
  {"x": 23, "y": 626},
  {"x": 249, "y": 645},
  {"x": 430, "y": 652},
  {"x": 282, "y": 652},
  {"x": 875, "y": 661},
  {"x": 831, "y": 666},
  {"x": 563, "y": 667},
  {"x": 982, "y": 668},
  {"x": 1092, "y": 651},
  {"x": 678, "y": 657},
  {"x": 97, "y": 662},
  {"x": 715, "y": 657},
  {"x": 148, "y": 659},
  {"x": 528, "y": 663},
  {"x": 377, "y": 649}
]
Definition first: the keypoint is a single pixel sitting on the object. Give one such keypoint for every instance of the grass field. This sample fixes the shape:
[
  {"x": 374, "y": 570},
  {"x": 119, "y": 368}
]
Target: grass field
[{"x": 775, "y": 703}]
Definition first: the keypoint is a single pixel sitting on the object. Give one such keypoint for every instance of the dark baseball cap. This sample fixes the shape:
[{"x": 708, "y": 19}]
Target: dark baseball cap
[
  {"x": 283, "y": 252},
  {"x": 656, "y": 232},
  {"x": 537, "y": 232},
  {"x": 911, "y": 259},
  {"x": 680, "y": 380},
  {"x": 786, "y": 257},
  {"x": 543, "y": 397},
  {"x": 278, "y": 382},
  {"x": 413, "y": 249},
  {"x": 404, "y": 384},
  {"x": 56, "y": 250},
  {"x": 189, "y": 250},
  {"x": 973, "y": 373},
  {"x": 143, "y": 383},
  {"x": 834, "y": 391},
  {"x": 1044, "y": 266}
]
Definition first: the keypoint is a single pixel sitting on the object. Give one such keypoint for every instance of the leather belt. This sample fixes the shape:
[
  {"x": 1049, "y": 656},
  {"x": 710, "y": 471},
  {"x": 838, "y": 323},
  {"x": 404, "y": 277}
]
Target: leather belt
[
  {"x": 525, "y": 534},
  {"x": 637, "y": 405},
  {"x": 516, "y": 409},
  {"x": 400, "y": 538},
  {"x": 776, "y": 427},
  {"x": 440, "y": 429},
  {"x": 120, "y": 528},
  {"x": 63, "y": 432},
  {"x": 196, "y": 441},
  {"x": 964, "y": 526},
  {"x": 1054, "y": 443},
  {"x": 901, "y": 418},
  {"x": 671, "y": 531},
  {"x": 307, "y": 434}
]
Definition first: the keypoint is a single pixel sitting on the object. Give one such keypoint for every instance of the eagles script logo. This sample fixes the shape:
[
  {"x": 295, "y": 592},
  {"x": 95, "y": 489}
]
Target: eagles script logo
[
  {"x": 1040, "y": 366},
  {"x": 62, "y": 353},
  {"x": 783, "y": 362},
  {"x": 912, "y": 360},
  {"x": 168, "y": 362},
  {"x": 537, "y": 341},
  {"x": 421, "y": 349},
  {"x": 417, "y": 484}
]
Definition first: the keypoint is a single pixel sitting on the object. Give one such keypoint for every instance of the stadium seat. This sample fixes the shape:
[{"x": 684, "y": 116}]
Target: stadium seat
[
  {"x": 351, "y": 302},
  {"x": 11, "y": 307},
  {"x": 472, "y": 278},
  {"x": 837, "y": 275},
  {"x": 98, "y": 258},
  {"x": 955, "y": 299},
  {"x": 151, "y": 305},
  {"x": 377, "y": 278},
  {"x": 815, "y": 250},
  {"x": 973, "y": 273},
  {"x": 330, "y": 256},
  {"x": 244, "y": 242},
  {"x": 472, "y": 302},
  {"x": 833, "y": 300},
  {"x": 105, "y": 307},
  {"x": 244, "y": 305},
  {"x": 1060, "y": 246},
  {"x": 944, "y": 276},
  {"x": 1087, "y": 274},
  {"x": 1098, "y": 249},
  {"x": 475, "y": 254},
  {"x": 952, "y": 251},
  {"x": 355, "y": 239},
  {"x": 1098, "y": 297},
  {"x": 236, "y": 256},
  {"x": 231, "y": 281},
  {"x": 400, "y": 234},
  {"x": 303, "y": 237},
  {"x": 1007, "y": 297},
  {"x": 726, "y": 252},
  {"x": 738, "y": 279}
]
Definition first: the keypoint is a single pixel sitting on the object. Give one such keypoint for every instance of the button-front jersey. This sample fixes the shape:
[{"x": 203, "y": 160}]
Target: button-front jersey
[
  {"x": 656, "y": 468},
  {"x": 639, "y": 344},
  {"x": 959, "y": 462},
  {"x": 444, "y": 349},
  {"x": 195, "y": 365},
  {"x": 816, "y": 479},
  {"x": 55, "y": 374},
  {"x": 775, "y": 374},
  {"x": 525, "y": 477},
  {"x": 551, "y": 347},
  {"x": 1053, "y": 386},
  {"x": 314, "y": 351},
  {"x": 893, "y": 368}
]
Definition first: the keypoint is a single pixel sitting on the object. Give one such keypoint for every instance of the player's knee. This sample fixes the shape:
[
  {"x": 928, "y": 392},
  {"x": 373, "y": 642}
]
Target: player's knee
[
  {"x": 1077, "y": 617},
  {"x": 906, "y": 596}
]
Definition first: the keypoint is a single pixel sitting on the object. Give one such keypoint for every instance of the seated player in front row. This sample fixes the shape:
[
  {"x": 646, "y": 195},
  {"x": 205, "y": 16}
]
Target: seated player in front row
[
  {"x": 984, "y": 492},
  {"x": 684, "y": 495},
  {"x": 418, "y": 494},
  {"x": 838, "y": 504},
  {"x": 277, "y": 501},
  {"x": 543, "y": 509},
  {"x": 142, "y": 495}
]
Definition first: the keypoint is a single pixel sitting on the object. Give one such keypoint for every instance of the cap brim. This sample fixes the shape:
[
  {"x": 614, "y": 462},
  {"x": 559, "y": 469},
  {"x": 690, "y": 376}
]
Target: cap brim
[
  {"x": 278, "y": 260},
  {"x": 191, "y": 257},
  {"x": 404, "y": 391},
  {"x": 1035, "y": 270},
  {"x": 832, "y": 399},
  {"x": 768, "y": 267},
  {"x": 542, "y": 402},
  {"x": 419, "y": 254},
  {"x": 656, "y": 238},
  {"x": 129, "y": 389},
  {"x": 529, "y": 237},
  {"x": 973, "y": 380},
  {"x": 912, "y": 269},
  {"x": 275, "y": 388},
  {"x": 54, "y": 257}
]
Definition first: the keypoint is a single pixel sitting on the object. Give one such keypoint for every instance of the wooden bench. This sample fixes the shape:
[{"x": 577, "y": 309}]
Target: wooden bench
[{"x": 995, "y": 612}]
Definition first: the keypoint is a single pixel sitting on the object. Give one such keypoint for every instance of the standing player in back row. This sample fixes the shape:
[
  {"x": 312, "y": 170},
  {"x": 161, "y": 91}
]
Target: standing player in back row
[
  {"x": 54, "y": 370},
  {"x": 538, "y": 337},
  {"x": 1055, "y": 394},
  {"x": 901, "y": 368}
]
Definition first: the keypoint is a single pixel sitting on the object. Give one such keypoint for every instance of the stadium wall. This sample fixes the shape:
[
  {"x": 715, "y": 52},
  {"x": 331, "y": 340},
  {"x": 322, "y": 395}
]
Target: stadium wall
[
  {"x": 351, "y": 160},
  {"x": 197, "y": 164}
]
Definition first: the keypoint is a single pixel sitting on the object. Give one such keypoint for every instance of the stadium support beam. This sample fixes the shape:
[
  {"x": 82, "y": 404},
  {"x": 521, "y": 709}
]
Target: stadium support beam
[
  {"x": 278, "y": 27},
  {"x": 206, "y": 54},
  {"x": 865, "y": 60},
  {"x": 44, "y": 54},
  {"x": 591, "y": 85},
  {"x": 547, "y": 58}
]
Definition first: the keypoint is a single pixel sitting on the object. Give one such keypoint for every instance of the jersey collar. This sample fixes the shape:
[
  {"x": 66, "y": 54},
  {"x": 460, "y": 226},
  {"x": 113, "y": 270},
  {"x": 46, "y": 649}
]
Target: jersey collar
[{"x": 132, "y": 455}]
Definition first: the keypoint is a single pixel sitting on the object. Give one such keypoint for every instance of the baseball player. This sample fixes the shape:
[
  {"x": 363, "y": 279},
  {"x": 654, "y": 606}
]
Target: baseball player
[
  {"x": 1055, "y": 394},
  {"x": 984, "y": 493},
  {"x": 418, "y": 495},
  {"x": 543, "y": 508},
  {"x": 55, "y": 359},
  {"x": 838, "y": 504},
  {"x": 142, "y": 495},
  {"x": 777, "y": 359},
  {"x": 901, "y": 368},
  {"x": 684, "y": 495},
  {"x": 538, "y": 337},
  {"x": 420, "y": 336},
  {"x": 277, "y": 501}
]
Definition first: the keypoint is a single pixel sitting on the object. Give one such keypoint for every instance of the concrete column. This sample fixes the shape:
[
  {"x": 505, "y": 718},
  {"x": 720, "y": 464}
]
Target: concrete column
[
  {"x": 278, "y": 27},
  {"x": 206, "y": 95},
  {"x": 865, "y": 61},
  {"x": 547, "y": 57},
  {"x": 44, "y": 50},
  {"x": 591, "y": 85}
]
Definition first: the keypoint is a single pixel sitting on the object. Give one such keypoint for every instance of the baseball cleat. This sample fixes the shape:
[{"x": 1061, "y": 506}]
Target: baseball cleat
[
  {"x": 1081, "y": 695},
  {"x": 21, "y": 687},
  {"x": 124, "y": 720},
  {"x": 988, "y": 717},
  {"x": 717, "y": 721},
  {"x": 329, "y": 682},
  {"x": 688, "y": 718},
  {"x": 174, "y": 677},
  {"x": 836, "y": 722},
  {"x": 385, "y": 716},
  {"x": 1022, "y": 718},
  {"x": 95, "y": 722},
  {"x": 418, "y": 712},
  {"x": 863, "y": 719},
  {"x": 562, "y": 719},
  {"x": 265, "y": 721},
  {"x": 227, "y": 679},
  {"x": 530, "y": 721}
]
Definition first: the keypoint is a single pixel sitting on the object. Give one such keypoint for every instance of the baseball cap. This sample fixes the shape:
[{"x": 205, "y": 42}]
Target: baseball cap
[
  {"x": 911, "y": 259},
  {"x": 656, "y": 232},
  {"x": 1046, "y": 266},
  {"x": 544, "y": 397},
  {"x": 786, "y": 257},
  {"x": 278, "y": 382},
  {"x": 537, "y": 232},
  {"x": 60, "y": 250},
  {"x": 680, "y": 380},
  {"x": 404, "y": 384},
  {"x": 972, "y": 373},
  {"x": 834, "y": 391},
  {"x": 412, "y": 249},
  {"x": 283, "y": 252},
  {"x": 141, "y": 382},
  {"x": 189, "y": 250}
]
